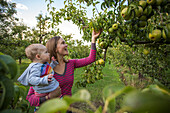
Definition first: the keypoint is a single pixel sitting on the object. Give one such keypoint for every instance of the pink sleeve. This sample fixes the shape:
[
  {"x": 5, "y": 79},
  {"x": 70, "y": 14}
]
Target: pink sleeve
[
  {"x": 85, "y": 61},
  {"x": 34, "y": 101}
]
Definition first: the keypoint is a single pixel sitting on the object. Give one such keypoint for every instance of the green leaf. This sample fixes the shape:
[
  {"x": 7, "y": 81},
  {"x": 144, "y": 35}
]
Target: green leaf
[
  {"x": 82, "y": 95},
  {"x": 103, "y": 6},
  {"x": 110, "y": 93},
  {"x": 11, "y": 111},
  {"x": 7, "y": 91},
  {"x": 12, "y": 66},
  {"x": 23, "y": 90},
  {"x": 158, "y": 90},
  {"x": 16, "y": 94},
  {"x": 112, "y": 105},
  {"x": 99, "y": 110},
  {"x": 53, "y": 106},
  {"x": 138, "y": 102},
  {"x": 1, "y": 53},
  {"x": 70, "y": 100},
  {"x": 3, "y": 68},
  {"x": 111, "y": 89}
]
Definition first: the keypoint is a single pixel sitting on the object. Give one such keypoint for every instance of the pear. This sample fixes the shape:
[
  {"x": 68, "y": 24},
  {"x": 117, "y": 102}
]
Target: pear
[
  {"x": 155, "y": 35},
  {"x": 145, "y": 52},
  {"x": 101, "y": 61},
  {"x": 166, "y": 34},
  {"x": 163, "y": 34},
  {"x": 124, "y": 13},
  {"x": 115, "y": 26},
  {"x": 111, "y": 30},
  {"x": 98, "y": 41},
  {"x": 147, "y": 10},
  {"x": 138, "y": 11},
  {"x": 102, "y": 44},
  {"x": 142, "y": 3},
  {"x": 158, "y": 2},
  {"x": 143, "y": 18},
  {"x": 151, "y": 2},
  {"x": 168, "y": 26},
  {"x": 142, "y": 23}
]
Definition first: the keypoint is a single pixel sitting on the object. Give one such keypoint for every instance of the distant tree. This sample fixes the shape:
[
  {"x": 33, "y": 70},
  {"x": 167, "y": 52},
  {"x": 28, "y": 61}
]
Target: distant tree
[
  {"x": 12, "y": 32},
  {"x": 42, "y": 23},
  {"x": 7, "y": 20}
]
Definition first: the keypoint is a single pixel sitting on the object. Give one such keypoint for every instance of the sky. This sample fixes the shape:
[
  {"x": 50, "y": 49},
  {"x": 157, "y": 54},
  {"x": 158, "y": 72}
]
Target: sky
[{"x": 27, "y": 10}]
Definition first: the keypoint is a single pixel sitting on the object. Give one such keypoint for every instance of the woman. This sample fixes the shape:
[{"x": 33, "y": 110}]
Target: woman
[{"x": 64, "y": 71}]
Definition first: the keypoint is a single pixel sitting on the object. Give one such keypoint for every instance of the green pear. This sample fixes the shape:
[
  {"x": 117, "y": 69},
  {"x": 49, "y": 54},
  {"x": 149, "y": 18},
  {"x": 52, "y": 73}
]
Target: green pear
[
  {"x": 143, "y": 18},
  {"x": 168, "y": 26},
  {"x": 142, "y": 3},
  {"x": 166, "y": 34},
  {"x": 138, "y": 11},
  {"x": 111, "y": 30},
  {"x": 124, "y": 13},
  {"x": 102, "y": 44},
  {"x": 155, "y": 35},
  {"x": 146, "y": 52},
  {"x": 115, "y": 26},
  {"x": 158, "y": 2},
  {"x": 163, "y": 34},
  {"x": 147, "y": 10},
  {"x": 142, "y": 23},
  {"x": 151, "y": 2}
]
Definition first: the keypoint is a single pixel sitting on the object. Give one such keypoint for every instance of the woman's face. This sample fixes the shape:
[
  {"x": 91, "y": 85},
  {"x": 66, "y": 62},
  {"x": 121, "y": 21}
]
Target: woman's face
[{"x": 62, "y": 47}]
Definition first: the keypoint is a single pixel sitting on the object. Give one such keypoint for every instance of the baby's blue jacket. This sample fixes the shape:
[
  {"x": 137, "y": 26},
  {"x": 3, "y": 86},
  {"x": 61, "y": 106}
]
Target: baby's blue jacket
[{"x": 31, "y": 77}]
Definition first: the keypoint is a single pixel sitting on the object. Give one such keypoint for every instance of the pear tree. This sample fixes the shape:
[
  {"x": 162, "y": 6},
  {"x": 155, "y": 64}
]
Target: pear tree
[{"x": 136, "y": 23}]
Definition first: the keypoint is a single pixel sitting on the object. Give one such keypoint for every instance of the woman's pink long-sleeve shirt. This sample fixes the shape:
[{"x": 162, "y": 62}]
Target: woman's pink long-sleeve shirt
[{"x": 66, "y": 79}]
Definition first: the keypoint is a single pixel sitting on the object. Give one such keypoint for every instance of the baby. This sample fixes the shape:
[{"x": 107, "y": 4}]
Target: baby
[{"x": 39, "y": 73}]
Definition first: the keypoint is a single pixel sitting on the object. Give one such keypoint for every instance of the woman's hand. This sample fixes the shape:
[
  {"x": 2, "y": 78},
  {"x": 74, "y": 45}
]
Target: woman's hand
[{"x": 95, "y": 35}]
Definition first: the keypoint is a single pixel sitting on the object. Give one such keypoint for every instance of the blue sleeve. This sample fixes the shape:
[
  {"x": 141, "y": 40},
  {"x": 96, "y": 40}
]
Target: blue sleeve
[
  {"x": 53, "y": 64},
  {"x": 34, "y": 78}
]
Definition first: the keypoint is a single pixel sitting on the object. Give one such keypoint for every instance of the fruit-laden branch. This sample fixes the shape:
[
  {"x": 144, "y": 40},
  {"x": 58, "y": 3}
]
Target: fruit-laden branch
[
  {"x": 146, "y": 42},
  {"x": 160, "y": 16}
]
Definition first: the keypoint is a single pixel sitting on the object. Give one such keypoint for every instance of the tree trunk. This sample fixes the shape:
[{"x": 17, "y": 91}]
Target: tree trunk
[
  {"x": 20, "y": 60},
  {"x": 105, "y": 55}
]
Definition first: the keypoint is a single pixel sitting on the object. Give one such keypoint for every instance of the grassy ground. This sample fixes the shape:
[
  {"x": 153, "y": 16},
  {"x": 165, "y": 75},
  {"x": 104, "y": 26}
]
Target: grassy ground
[
  {"x": 110, "y": 77},
  {"x": 96, "y": 90}
]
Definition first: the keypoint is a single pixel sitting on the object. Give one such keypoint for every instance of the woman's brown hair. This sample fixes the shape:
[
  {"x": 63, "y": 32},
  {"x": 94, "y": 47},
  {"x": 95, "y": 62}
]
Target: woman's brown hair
[{"x": 51, "y": 47}]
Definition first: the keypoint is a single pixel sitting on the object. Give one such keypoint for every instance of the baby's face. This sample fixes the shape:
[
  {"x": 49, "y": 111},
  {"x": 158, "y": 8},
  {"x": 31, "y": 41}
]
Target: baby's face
[{"x": 44, "y": 56}]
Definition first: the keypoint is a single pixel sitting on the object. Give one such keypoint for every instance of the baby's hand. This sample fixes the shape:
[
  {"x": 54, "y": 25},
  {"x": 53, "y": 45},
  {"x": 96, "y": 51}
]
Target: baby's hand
[
  {"x": 53, "y": 62},
  {"x": 53, "y": 58},
  {"x": 50, "y": 76}
]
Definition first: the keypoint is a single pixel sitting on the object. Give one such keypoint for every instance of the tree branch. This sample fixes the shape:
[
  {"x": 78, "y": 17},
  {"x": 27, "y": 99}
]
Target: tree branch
[{"x": 146, "y": 42}]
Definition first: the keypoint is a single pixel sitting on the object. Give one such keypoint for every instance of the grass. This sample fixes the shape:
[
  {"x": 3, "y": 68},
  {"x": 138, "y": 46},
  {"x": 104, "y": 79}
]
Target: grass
[
  {"x": 22, "y": 67},
  {"x": 96, "y": 90},
  {"x": 110, "y": 77}
]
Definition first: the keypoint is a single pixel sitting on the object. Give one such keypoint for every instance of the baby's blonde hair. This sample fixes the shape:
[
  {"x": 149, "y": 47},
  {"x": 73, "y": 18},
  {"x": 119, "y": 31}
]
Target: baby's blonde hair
[{"x": 32, "y": 50}]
